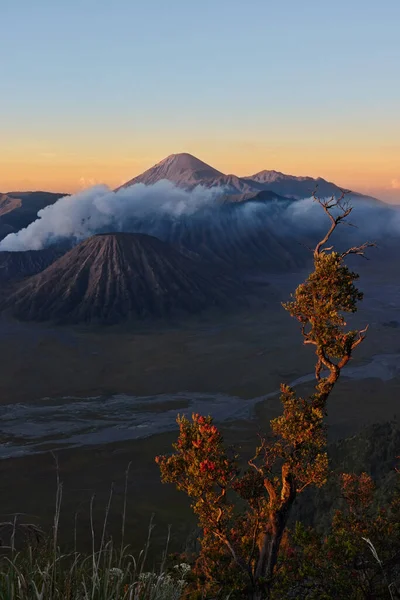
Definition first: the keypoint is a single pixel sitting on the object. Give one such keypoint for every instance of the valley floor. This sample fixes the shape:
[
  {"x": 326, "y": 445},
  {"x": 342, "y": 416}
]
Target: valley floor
[{"x": 119, "y": 386}]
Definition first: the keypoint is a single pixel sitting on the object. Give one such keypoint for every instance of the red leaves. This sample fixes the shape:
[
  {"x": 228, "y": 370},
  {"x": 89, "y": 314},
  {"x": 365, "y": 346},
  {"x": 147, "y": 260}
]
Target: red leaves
[
  {"x": 207, "y": 465},
  {"x": 357, "y": 490},
  {"x": 200, "y": 463},
  {"x": 295, "y": 458},
  {"x": 290, "y": 552}
]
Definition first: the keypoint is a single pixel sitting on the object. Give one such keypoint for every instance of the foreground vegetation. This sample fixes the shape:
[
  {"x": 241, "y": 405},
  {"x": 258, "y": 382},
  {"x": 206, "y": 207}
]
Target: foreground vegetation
[
  {"x": 248, "y": 547},
  {"x": 244, "y": 515},
  {"x": 34, "y": 567},
  {"x": 358, "y": 557}
]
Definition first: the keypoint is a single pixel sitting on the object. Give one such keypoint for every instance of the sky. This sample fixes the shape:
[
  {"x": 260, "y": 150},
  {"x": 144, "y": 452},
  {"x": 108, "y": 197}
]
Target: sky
[{"x": 98, "y": 91}]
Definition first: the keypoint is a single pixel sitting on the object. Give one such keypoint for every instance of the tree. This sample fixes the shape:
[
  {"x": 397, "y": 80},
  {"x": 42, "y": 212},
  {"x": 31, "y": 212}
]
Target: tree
[
  {"x": 358, "y": 559},
  {"x": 244, "y": 515}
]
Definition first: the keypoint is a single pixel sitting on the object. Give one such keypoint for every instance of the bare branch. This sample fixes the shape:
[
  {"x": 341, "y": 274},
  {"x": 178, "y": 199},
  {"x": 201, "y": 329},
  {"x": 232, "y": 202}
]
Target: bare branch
[
  {"x": 359, "y": 250},
  {"x": 227, "y": 543},
  {"x": 327, "y": 205},
  {"x": 300, "y": 244},
  {"x": 361, "y": 337},
  {"x": 301, "y": 489}
]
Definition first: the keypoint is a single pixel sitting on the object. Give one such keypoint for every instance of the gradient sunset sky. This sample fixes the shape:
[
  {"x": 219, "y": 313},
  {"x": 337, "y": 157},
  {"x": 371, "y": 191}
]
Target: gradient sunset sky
[{"x": 99, "y": 90}]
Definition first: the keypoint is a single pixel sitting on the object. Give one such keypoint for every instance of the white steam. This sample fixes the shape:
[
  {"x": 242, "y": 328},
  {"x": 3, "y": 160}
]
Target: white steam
[
  {"x": 100, "y": 209},
  {"x": 146, "y": 208}
]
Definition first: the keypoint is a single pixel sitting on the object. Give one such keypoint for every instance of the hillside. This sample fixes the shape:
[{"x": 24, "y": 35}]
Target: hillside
[
  {"x": 114, "y": 277},
  {"x": 374, "y": 450},
  {"x": 19, "y": 209},
  {"x": 18, "y": 265}
]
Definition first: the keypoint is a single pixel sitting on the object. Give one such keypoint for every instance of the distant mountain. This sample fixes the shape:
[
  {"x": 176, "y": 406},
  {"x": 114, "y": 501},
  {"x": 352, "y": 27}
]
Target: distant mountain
[
  {"x": 19, "y": 209},
  {"x": 295, "y": 187},
  {"x": 8, "y": 204},
  {"x": 184, "y": 169},
  {"x": 187, "y": 171},
  {"x": 115, "y": 277},
  {"x": 232, "y": 235}
]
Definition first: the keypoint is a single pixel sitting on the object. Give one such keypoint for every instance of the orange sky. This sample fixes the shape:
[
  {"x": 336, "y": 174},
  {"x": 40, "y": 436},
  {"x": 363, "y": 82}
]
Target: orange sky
[
  {"x": 373, "y": 170},
  {"x": 98, "y": 91}
]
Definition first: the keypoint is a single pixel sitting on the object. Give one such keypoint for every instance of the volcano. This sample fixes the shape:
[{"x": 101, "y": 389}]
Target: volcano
[
  {"x": 183, "y": 169},
  {"x": 187, "y": 171},
  {"x": 110, "y": 278}
]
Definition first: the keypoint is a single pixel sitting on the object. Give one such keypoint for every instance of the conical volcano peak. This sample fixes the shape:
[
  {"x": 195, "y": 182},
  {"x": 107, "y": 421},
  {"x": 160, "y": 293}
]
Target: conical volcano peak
[
  {"x": 116, "y": 277},
  {"x": 187, "y": 162},
  {"x": 182, "y": 169}
]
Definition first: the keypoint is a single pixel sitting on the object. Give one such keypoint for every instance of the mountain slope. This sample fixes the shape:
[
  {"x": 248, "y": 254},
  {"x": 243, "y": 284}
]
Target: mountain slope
[
  {"x": 19, "y": 209},
  {"x": 293, "y": 186},
  {"x": 183, "y": 169},
  {"x": 115, "y": 277},
  {"x": 299, "y": 187},
  {"x": 8, "y": 204},
  {"x": 187, "y": 171},
  {"x": 18, "y": 265},
  {"x": 236, "y": 235}
]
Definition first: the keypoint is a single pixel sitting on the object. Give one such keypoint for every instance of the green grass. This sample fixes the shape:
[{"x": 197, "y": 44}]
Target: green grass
[{"x": 34, "y": 567}]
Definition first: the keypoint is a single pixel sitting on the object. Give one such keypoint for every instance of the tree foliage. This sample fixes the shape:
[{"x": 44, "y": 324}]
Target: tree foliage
[
  {"x": 359, "y": 559},
  {"x": 243, "y": 515}
]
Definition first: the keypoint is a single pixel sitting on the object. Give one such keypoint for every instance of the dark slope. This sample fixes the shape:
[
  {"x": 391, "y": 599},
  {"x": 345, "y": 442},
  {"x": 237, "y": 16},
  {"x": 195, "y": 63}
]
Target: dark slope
[
  {"x": 373, "y": 450},
  {"x": 18, "y": 265},
  {"x": 19, "y": 209},
  {"x": 258, "y": 196},
  {"x": 114, "y": 277},
  {"x": 245, "y": 236}
]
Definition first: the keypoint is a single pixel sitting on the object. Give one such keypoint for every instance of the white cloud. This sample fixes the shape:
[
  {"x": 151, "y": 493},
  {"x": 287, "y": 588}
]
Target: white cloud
[
  {"x": 98, "y": 208},
  {"x": 395, "y": 184}
]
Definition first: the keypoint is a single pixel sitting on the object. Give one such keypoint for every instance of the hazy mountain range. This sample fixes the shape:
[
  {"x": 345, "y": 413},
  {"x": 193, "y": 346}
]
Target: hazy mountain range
[
  {"x": 157, "y": 249},
  {"x": 19, "y": 209},
  {"x": 187, "y": 171}
]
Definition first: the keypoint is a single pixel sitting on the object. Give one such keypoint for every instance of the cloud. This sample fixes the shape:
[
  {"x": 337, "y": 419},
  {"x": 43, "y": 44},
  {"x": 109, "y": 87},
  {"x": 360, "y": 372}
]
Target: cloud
[
  {"x": 395, "y": 184},
  {"x": 86, "y": 182},
  {"x": 99, "y": 209},
  {"x": 169, "y": 212}
]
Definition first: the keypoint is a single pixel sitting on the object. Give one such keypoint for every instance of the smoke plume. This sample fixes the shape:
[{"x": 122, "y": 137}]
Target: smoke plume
[
  {"x": 148, "y": 209},
  {"x": 98, "y": 209}
]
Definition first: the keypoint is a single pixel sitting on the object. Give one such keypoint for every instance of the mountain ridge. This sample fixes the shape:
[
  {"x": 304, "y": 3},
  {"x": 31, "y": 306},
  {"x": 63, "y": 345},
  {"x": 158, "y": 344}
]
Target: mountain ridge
[
  {"x": 187, "y": 171},
  {"x": 19, "y": 209}
]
